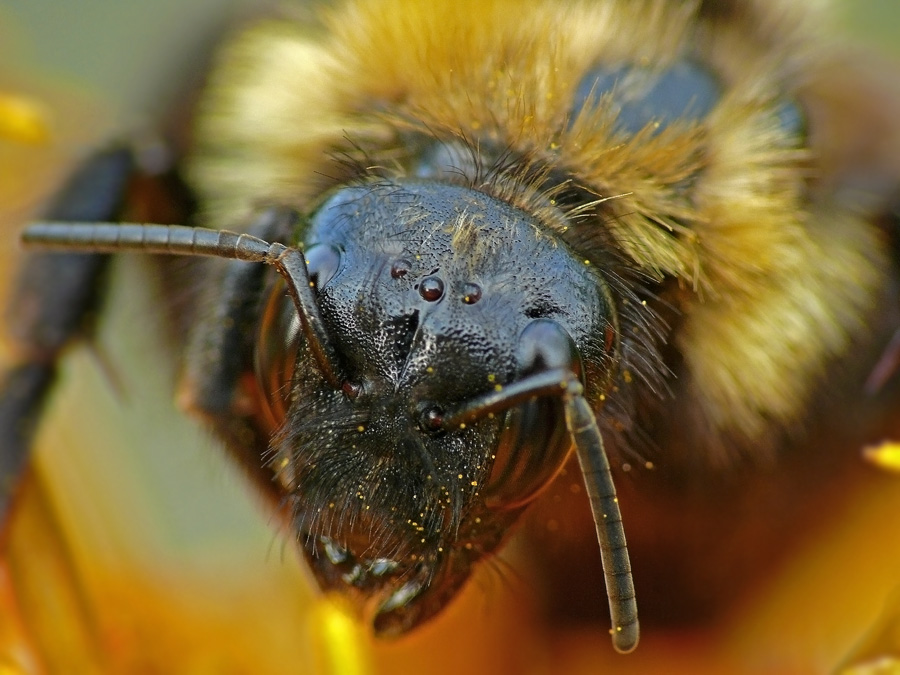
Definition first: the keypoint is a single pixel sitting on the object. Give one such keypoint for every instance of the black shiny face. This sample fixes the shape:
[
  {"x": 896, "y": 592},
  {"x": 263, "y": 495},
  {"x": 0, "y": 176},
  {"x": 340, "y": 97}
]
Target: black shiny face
[{"x": 426, "y": 290}]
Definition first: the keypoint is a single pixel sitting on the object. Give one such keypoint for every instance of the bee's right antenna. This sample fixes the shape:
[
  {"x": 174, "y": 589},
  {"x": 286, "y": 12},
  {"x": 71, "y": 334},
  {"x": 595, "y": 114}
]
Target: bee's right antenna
[{"x": 182, "y": 240}]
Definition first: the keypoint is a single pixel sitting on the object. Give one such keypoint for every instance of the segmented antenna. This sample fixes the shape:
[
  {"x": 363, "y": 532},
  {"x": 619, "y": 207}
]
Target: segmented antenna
[
  {"x": 597, "y": 478},
  {"x": 183, "y": 240},
  {"x": 607, "y": 520}
]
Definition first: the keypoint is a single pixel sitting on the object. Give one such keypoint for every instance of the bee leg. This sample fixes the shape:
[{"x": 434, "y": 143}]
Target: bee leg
[
  {"x": 220, "y": 349},
  {"x": 55, "y": 301}
]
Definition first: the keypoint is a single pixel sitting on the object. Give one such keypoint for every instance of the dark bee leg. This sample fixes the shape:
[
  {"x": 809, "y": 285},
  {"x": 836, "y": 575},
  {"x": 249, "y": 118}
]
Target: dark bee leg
[{"x": 54, "y": 302}]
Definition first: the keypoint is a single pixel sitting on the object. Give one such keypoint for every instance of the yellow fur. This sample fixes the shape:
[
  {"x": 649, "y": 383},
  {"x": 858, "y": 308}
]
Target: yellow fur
[{"x": 775, "y": 288}]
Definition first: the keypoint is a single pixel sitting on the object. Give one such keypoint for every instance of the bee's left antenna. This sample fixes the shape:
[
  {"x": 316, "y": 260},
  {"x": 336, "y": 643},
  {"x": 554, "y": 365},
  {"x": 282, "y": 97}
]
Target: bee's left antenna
[
  {"x": 183, "y": 240},
  {"x": 582, "y": 425}
]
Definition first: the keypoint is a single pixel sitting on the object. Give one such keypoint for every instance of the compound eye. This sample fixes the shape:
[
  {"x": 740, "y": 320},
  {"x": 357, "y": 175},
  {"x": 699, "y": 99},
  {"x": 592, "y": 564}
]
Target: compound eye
[
  {"x": 533, "y": 448},
  {"x": 278, "y": 341},
  {"x": 535, "y": 442},
  {"x": 323, "y": 262}
]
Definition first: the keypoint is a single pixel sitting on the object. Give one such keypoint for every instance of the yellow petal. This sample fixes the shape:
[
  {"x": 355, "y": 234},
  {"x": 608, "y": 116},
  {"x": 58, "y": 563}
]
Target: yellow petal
[
  {"x": 884, "y": 456},
  {"x": 23, "y": 119}
]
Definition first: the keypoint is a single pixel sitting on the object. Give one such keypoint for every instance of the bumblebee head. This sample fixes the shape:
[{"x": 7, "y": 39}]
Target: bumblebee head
[{"x": 437, "y": 302}]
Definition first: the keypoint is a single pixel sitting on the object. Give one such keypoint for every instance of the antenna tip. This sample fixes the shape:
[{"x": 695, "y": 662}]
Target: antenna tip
[{"x": 625, "y": 638}]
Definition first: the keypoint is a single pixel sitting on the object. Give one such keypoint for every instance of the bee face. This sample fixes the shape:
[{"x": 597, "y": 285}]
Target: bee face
[
  {"x": 422, "y": 287},
  {"x": 635, "y": 195}
]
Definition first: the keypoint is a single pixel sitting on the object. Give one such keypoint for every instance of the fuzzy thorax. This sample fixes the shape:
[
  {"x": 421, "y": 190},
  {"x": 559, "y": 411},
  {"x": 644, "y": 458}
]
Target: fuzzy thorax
[{"x": 773, "y": 286}]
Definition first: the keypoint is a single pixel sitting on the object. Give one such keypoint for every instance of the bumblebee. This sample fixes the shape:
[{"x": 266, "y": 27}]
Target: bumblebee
[{"x": 495, "y": 232}]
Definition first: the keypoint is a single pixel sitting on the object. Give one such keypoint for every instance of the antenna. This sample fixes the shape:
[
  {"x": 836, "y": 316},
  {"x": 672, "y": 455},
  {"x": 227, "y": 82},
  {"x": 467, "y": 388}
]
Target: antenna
[{"x": 183, "y": 240}]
